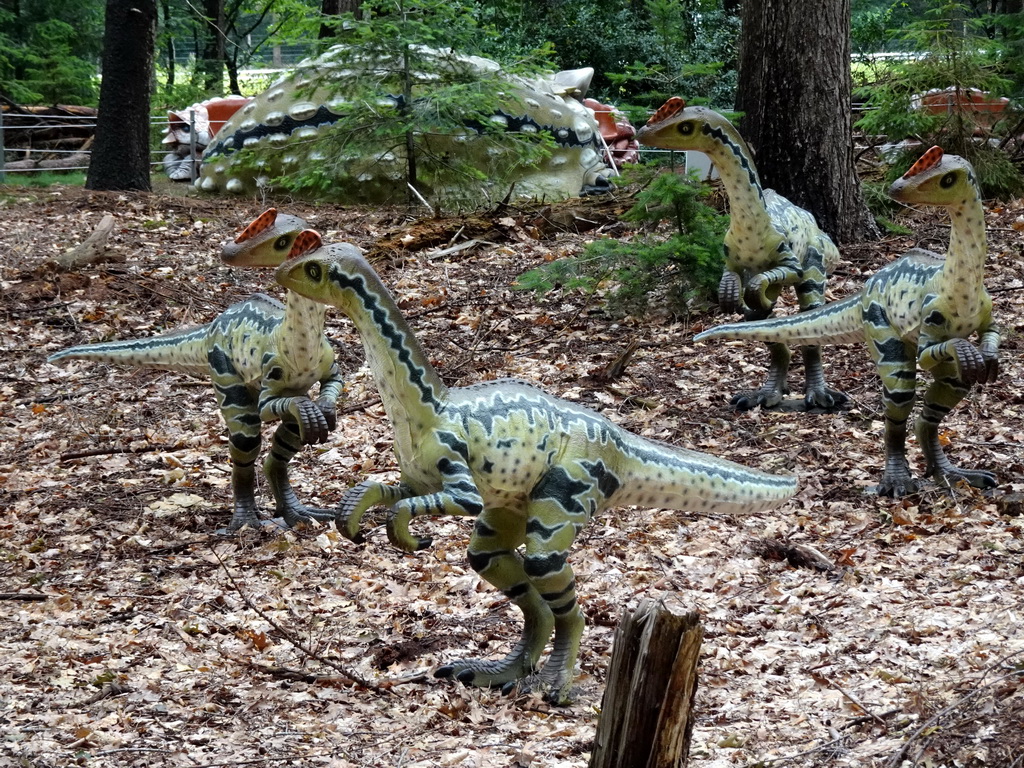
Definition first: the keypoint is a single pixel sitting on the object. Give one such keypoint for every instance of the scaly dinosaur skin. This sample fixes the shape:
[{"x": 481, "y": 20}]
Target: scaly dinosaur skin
[
  {"x": 917, "y": 311},
  {"x": 770, "y": 244},
  {"x": 531, "y": 468},
  {"x": 262, "y": 357}
]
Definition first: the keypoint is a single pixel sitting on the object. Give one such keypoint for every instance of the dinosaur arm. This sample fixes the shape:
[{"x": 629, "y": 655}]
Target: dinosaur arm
[
  {"x": 762, "y": 289},
  {"x": 331, "y": 388},
  {"x": 313, "y": 424},
  {"x": 458, "y": 496},
  {"x": 729, "y": 291},
  {"x": 990, "y": 337},
  {"x": 358, "y": 499},
  {"x": 971, "y": 363}
]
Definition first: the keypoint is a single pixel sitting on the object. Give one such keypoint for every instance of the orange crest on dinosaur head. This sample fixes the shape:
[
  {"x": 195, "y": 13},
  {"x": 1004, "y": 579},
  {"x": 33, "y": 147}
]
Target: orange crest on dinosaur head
[
  {"x": 928, "y": 160},
  {"x": 670, "y": 108},
  {"x": 307, "y": 240},
  {"x": 264, "y": 221}
]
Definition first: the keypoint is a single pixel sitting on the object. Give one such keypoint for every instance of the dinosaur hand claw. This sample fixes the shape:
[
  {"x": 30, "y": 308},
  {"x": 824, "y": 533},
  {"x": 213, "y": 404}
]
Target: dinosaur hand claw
[
  {"x": 329, "y": 410},
  {"x": 974, "y": 367},
  {"x": 729, "y": 292},
  {"x": 313, "y": 424}
]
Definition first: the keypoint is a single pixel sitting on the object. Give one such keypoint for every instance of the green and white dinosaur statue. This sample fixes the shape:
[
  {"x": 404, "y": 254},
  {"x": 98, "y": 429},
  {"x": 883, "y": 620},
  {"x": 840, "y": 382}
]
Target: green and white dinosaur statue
[
  {"x": 918, "y": 311},
  {"x": 531, "y": 468},
  {"x": 770, "y": 244},
  {"x": 263, "y": 357}
]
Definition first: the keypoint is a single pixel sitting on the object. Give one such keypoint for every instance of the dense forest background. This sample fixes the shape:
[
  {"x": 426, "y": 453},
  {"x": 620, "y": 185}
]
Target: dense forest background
[{"x": 641, "y": 50}]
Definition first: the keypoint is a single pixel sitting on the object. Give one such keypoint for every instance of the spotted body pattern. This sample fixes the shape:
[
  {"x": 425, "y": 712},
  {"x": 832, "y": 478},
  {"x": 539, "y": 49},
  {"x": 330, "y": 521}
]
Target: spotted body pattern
[
  {"x": 531, "y": 468},
  {"x": 263, "y": 357},
  {"x": 770, "y": 244},
  {"x": 918, "y": 311},
  {"x": 290, "y": 125}
]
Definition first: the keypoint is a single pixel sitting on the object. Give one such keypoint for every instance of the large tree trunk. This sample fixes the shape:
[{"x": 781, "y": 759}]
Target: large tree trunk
[
  {"x": 120, "y": 154},
  {"x": 795, "y": 88}
]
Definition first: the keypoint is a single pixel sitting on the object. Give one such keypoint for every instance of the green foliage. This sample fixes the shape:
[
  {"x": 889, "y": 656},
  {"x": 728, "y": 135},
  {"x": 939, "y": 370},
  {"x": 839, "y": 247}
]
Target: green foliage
[
  {"x": 49, "y": 51},
  {"x": 51, "y": 69},
  {"x": 407, "y": 96},
  {"x": 682, "y": 270},
  {"x": 954, "y": 54}
]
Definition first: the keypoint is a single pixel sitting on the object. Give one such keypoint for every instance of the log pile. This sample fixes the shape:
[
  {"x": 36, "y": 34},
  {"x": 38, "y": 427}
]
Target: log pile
[{"x": 46, "y": 137}]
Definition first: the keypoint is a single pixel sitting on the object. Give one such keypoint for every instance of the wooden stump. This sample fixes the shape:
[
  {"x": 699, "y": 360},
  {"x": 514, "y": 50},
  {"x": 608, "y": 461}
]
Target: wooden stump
[{"x": 646, "y": 715}]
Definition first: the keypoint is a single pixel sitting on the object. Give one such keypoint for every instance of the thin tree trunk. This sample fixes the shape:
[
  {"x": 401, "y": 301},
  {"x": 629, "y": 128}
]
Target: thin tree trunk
[
  {"x": 795, "y": 88},
  {"x": 212, "y": 64},
  {"x": 120, "y": 153}
]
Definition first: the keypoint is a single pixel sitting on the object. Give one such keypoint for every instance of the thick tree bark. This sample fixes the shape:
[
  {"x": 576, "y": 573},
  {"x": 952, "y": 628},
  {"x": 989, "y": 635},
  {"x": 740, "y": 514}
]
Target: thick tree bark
[
  {"x": 120, "y": 154},
  {"x": 795, "y": 88}
]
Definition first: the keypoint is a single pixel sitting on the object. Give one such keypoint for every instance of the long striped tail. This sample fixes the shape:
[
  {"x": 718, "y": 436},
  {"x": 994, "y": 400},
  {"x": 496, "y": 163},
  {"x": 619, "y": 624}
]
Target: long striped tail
[
  {"x": 836, "y": 323},
  {"x": 185, "y": 351}
]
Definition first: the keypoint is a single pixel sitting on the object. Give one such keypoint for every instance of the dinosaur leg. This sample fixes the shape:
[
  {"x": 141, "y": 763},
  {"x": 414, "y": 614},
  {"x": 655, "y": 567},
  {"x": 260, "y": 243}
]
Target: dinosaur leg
[
  {"x": 492, "y": 553},
  {"x": 896, "y": 363},
  {"x": 244, "y": 441},
  {"x": 287, "y": 442},
  {"x": 560, "y": 505},
  {"x": 939, "y": 399},
  {"x": 810, "y": 293},
  {"x": 774, "y": 388}
]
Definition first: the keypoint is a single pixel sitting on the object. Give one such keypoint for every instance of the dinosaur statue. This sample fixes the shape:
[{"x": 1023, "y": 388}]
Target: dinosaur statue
[
  {"x": 531, "y": 468},
  {"x": 289, "y": 125},
  {"x": 918, "y": 311},
  {"x": 262, "y": 357},
  {"x": 770, "y": 244}
]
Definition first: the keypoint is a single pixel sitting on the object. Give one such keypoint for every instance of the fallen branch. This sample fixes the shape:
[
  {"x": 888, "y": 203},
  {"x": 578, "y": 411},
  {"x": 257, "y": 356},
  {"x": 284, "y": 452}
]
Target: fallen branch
[
  {"x": 113, "y": 449},
  {"x": 31, "y": 597},
  {"x": 344, "y": 672},
  {"x": 93, "y": 250}
]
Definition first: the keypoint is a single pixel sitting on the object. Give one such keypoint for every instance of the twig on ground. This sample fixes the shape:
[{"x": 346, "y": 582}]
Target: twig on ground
[{"x": 354, "y": 677}]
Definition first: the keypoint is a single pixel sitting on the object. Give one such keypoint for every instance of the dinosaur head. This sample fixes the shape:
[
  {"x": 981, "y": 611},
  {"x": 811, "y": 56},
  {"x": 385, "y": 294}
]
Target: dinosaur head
[
  {"x": 266, "y": 242},
  {"x": 677, "y": 126},
  {"x": 323, "y": 273},
  {"x": 936, "y": 179}
]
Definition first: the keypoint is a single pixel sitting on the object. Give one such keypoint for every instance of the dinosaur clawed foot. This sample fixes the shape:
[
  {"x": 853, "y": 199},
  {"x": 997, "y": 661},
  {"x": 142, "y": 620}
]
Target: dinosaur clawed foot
[
  {"x": 512, "y": 677},
  {"x": 486, "y": 674},
  {"x": 976, "y": 478},
  {"x": 896, "y": 485},
  {"x": 827, "y": 400},
  {"x": 751, "y": 399},
  {"x": 300, "y": 514}
]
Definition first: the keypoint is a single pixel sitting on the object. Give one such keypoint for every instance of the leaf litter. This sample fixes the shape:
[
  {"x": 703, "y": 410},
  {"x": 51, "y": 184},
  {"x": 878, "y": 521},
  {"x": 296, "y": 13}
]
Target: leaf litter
[{"x": 841, "y": 630}]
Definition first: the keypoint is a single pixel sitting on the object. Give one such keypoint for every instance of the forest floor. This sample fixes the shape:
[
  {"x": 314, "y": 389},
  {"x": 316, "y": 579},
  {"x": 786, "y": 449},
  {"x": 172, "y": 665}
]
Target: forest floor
[{"x": 132, "y": 635}]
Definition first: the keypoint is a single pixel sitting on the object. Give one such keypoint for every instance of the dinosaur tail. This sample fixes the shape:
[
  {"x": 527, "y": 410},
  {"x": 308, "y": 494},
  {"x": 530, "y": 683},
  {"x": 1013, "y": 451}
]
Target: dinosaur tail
[
  {"x": 838, "y": 322},
  {"x": 184, "y": 351},
  {"x": 677, "y": 478}
]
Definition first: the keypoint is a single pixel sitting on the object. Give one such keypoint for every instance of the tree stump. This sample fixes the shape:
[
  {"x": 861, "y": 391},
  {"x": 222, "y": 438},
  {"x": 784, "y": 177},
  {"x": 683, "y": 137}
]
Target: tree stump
[{"x": 646, "y": 714}]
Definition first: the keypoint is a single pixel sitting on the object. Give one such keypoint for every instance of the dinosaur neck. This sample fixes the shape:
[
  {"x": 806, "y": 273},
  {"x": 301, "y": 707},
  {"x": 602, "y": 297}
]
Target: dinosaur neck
[
  {"x": 302, "y": 331},
  {"x": 735, "y": 164},
  {"x": 963, "y": 272},
  {"x": 410, "y": 388}
]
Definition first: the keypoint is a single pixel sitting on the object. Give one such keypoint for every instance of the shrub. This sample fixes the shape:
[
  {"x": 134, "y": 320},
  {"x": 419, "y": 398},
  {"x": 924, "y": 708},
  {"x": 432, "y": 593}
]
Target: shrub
[{"x": 679, "y": 272}]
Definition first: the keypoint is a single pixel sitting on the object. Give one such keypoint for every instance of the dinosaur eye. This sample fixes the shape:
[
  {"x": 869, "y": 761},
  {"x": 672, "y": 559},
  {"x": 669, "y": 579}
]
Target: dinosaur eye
[
  {"x": 314, "y": 271},
  {"x": 686, "y": 128},
  {"x": 948, "y": 180},
  {"x": 282, "y": 243}
]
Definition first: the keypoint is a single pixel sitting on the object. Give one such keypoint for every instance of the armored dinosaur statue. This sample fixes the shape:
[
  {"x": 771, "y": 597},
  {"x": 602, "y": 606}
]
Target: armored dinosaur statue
[
  {"x": 770, "y": 244},
  {"x": 263, "y": 357},
  {"x": 289, "y": 126},
  {"x": 918, "y": 311},
  {"x": 531, "y": 468}
]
